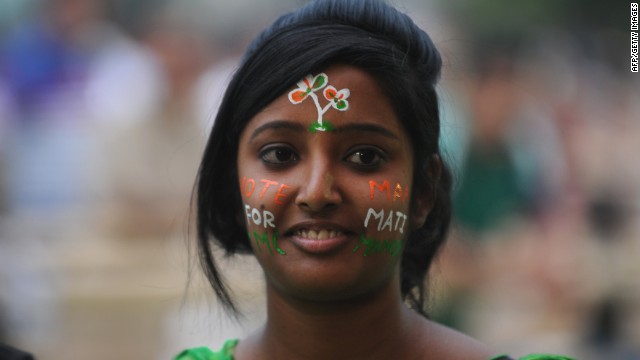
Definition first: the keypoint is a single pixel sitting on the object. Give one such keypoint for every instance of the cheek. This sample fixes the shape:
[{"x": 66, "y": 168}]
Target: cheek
[
  {"x": 263, "y": 200},
  {"x": 268, "y": 192},
  {"x": 387, "y": 206},
  {"x": 385, "y": 212},
  {"x": 259, "y": 218}
]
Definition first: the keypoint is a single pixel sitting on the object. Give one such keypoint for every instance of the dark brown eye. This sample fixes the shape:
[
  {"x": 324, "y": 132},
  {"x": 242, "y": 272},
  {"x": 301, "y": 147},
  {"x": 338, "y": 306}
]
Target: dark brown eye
[
  {"x": 278, "y": 155},
  {"x": 365, "y": 158}
]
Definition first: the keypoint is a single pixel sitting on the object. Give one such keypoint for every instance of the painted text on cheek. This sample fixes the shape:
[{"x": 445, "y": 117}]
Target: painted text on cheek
[
  {"x": 270, "y": 241},
  {"x": 384, "y": 220},
  {"x": 393, "y": 221},
  {"x": 259, "y": 217},
  {"x": 399, "y": 193},
  {"x": 248, "y": 187},
  {"x": 265, "y": 239},
  {"x": 376, "y": 246}
]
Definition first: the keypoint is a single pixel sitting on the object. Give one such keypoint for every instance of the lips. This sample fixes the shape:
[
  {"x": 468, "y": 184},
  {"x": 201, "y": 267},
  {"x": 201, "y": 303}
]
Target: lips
[
  {"x": 319, "y": 238},
  {"x": 322, "y": 234}
]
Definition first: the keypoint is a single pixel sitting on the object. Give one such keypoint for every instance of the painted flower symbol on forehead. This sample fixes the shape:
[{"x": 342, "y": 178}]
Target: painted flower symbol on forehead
[
  {"x": 338, "y": 98},
  {"x": 307, "y": 88}
]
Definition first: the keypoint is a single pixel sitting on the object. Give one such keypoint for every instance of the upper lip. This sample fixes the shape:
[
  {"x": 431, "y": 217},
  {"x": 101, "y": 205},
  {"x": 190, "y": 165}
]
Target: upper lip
[{"x": 317, "y": 226}]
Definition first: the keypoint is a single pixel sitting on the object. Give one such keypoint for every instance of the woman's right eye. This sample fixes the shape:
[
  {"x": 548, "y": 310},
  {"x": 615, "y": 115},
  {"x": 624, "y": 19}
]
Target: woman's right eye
[{"x": 278, "y": 155}]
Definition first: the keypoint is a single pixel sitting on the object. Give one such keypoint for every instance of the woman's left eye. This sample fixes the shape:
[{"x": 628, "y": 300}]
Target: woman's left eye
[{"x": 368, "y": 158}]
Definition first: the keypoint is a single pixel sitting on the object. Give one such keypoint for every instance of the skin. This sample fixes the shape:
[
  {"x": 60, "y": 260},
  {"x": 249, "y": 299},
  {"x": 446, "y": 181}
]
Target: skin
[{"x": 329, "y": 302}]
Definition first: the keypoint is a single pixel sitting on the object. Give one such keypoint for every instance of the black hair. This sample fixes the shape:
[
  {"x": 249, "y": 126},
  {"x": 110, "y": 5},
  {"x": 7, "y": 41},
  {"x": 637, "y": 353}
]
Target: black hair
[{"x": 367, "y": 34}]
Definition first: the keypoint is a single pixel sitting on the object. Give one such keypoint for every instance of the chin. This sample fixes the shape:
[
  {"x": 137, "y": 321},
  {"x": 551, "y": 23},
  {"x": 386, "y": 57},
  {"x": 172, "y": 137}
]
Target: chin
[{"x": 332, "y": 286}]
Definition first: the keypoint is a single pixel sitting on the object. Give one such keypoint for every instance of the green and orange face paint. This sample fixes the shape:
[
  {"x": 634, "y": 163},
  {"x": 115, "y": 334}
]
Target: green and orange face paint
[
  {"x": 337, "y": 99},
  {"x": 383, "y": 221},
  {"x": 392, "y": 221}
]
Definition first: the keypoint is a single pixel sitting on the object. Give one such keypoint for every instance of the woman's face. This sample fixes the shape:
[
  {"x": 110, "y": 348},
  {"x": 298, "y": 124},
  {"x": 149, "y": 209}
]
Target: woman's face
[{"x": 327, "y": 212}]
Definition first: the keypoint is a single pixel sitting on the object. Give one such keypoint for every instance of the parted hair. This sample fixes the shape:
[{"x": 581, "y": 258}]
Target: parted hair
[{"x": 372, "y": 36}]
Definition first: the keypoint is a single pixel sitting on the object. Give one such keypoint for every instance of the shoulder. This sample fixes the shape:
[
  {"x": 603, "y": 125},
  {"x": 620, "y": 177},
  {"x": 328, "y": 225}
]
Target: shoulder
[
  {"x": 204, "y": 353},
  {"x": 442, "y": 342},
  {"x": 449, "y": 344}
]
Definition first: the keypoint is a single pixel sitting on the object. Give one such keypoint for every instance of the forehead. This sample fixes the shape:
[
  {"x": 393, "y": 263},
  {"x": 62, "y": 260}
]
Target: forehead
[{"x": 367, "y": 103}]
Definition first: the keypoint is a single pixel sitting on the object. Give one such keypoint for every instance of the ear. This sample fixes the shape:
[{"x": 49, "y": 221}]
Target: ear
[{"x": 425, "y": 196}]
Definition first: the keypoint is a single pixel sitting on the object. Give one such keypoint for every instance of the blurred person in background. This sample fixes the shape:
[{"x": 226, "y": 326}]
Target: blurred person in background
[
  {"x": 64, "y": 67},
  {"x": 499, "y": 180},
  {"x": 45, "y": 65},
  {"x": 491, "y": 188},
  {"x": 47, "y": 151},
  {"x": 151, "y": 154}
]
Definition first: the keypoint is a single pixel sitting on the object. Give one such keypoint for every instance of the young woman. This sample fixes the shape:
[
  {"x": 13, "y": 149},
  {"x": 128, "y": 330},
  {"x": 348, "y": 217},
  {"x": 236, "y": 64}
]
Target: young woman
[{"x": 324, "y": 163}]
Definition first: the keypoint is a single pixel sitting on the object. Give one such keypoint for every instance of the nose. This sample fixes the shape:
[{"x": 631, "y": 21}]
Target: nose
[{"x": 319, "y": 192}]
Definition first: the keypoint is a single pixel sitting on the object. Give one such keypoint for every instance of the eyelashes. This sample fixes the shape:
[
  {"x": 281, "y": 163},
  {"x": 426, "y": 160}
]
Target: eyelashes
[
  {"x": 363, "y": 158},
  {"x": 366, "y": 158},
  {"x": 278, "y": 155}
]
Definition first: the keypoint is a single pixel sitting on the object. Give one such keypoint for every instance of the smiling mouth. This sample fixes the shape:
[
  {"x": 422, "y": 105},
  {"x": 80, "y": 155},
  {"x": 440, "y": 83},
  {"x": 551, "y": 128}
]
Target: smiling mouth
[
  {"x": 320, "y": 238},
  {"x": 322, "y": 234}
]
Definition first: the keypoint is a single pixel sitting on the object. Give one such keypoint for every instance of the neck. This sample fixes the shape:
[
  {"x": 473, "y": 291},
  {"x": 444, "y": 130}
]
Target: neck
[{"x": 375, "y": 326}]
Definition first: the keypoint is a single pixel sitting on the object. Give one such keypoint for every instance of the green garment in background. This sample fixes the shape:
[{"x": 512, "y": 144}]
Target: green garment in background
[{"x": 489, "y": 189}]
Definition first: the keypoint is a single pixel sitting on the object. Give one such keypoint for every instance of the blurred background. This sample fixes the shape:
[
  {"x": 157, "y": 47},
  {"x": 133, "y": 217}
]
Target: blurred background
[{"x": 105, "y": 107}]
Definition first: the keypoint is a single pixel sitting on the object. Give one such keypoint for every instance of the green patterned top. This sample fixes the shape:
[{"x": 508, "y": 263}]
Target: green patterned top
[
  {"x": 226, "y": 353},
  {"x": 534, "y": 357},
  {"x": 204, "y": 353}
]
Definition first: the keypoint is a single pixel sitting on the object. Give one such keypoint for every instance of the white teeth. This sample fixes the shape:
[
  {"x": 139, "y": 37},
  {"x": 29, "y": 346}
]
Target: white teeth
[{"x": 322, "y": 234}]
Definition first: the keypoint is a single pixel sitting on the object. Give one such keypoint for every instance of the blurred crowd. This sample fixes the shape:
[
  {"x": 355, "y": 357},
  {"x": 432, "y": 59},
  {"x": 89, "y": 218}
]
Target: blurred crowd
[{"x": 105, "y": 107}]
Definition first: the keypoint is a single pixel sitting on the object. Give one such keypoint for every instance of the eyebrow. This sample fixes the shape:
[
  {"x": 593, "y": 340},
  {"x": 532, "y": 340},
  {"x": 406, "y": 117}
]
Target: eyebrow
[
  {"x": 277, "y": 125},
  {"x": 367, "y": 127},
  {"x": 348, "y": 128}
]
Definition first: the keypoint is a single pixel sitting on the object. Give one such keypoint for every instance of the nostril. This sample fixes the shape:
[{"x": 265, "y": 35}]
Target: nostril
[
  {"x": 320, "y": 205},
  {"x": 319, "y": 201}
]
